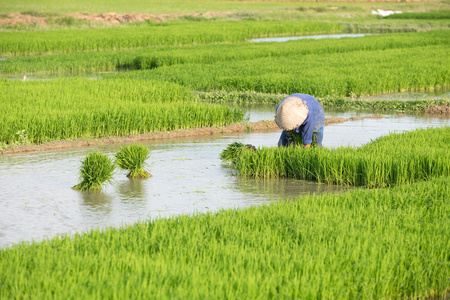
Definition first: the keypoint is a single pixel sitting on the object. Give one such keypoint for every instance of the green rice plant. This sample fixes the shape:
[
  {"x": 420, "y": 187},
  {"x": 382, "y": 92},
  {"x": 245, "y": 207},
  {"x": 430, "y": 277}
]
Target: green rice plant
[
  {"x": 441, "y": 15},
  {"x": 96, "y": 169},
  {"x": 391, "y": 160},
  {"x": 363, "y": 244},
  {"x": 132, "y": 158},
  {"x": 297, "y": 139},
  {"x": 179, "y": 33},
  {"x": 80, "y": 108},
  {"x": 360, "y": 73},
  {"x": 333, "y": 102},
  {"x": 156, "y": 57},
  {"x": 382, "y": 105},
  {"x": 420, "y": 105},
  {"x": 234, "y": 150}
]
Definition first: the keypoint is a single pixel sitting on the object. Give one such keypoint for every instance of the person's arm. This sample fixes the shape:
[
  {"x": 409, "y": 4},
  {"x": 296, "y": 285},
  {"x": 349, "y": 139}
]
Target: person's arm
[{"x": 307, "y": 133}]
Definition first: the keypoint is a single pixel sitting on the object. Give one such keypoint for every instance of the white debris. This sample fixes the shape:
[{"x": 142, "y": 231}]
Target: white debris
[{"x": 385, "y": 13}]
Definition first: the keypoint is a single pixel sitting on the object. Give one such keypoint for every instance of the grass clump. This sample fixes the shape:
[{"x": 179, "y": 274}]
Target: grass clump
[
  {"x": 132, "y": 158},
  {"x": 234, "y": 150},
  {"x": 96, "y": 169}
]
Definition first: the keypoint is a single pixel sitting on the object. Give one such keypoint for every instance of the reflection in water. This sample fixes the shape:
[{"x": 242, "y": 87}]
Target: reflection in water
[
  {"x": 436, "y": 116},
  {"x": 284, "y": 188},
  {"x": 133, "y": 194},
  {"x": 132, "y": 190},
  {"x": 97, "y": 201}
]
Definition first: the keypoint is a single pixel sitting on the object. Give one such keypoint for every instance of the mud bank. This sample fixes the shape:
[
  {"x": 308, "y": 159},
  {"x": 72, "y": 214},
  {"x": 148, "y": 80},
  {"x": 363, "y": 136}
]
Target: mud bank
[
  {"x": 265, "y": 125},
  {"x": 14, "y": 19},
  {"x": 438, "y": 109}
]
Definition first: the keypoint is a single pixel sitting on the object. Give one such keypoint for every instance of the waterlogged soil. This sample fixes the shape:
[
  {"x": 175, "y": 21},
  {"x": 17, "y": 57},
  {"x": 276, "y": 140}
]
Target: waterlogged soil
[{"x": 188, "y": 177}]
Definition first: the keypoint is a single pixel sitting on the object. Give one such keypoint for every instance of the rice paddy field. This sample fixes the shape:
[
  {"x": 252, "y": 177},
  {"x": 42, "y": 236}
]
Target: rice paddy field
[
  {"x": 388, "y": 161},
  {"x": 365, "y": 217}
]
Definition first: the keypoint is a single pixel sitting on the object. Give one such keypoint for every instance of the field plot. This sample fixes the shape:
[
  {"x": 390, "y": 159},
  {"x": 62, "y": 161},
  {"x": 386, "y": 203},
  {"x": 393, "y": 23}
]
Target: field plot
[
  {"x": 156, "y": 57},
  {"x": 202, "y": 185},
  {"x": 359, "y": 72},
  {"x": 63, "y": 41},
  {"x": 83, "y": 108},
  {"x": 362, "y": 244},
  {"x": 365, "y": 217},
  {"x": 388, "y": 161}
]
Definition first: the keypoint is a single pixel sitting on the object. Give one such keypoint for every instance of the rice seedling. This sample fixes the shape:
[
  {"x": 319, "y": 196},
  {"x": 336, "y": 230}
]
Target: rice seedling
[
  {"x": 297, "y": 139},
  {"x": 132, "y": 158},
  {"x": 234, "y": 150},
  {"x": 155, "y": 57},
  {"x": 360, "y": 73},
  {"x": 96, "y": 169},
  {"x": 362, "y": 244},
  {"x": 76, "y": 108},
  {"x": 391, "y": 160},
  {"x": 362, "y": 65},
  {"x": 382, "y": 105},
  {"x": 333, "y": 102},
  {"x": 179, "y": 33}
]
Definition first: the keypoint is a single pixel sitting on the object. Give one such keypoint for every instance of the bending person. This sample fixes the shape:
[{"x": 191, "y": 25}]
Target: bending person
[{"x": 301, "y": 117}]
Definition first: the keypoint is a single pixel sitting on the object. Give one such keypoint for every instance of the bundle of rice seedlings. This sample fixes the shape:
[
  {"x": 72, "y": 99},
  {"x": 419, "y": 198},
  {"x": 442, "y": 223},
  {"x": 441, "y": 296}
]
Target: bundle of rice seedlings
[
  {"x": 297, "y": 139},
  {"x": 132, "y": 158},
  {"x": 234, "y": 151},
  {"x": 96, "y": 169}
]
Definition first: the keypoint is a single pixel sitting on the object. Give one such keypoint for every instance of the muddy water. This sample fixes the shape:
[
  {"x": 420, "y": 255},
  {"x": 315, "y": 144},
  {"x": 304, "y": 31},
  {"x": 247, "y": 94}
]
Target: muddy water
[
  {"x": 314, "y": 37},
  {"x": 435, "y": 93},
  {"x": 45, "y": 76},
  {"x": 37, "y": 200}
]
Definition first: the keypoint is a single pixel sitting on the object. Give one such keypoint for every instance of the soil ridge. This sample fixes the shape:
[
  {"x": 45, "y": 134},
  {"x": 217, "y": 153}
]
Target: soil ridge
[{"x": 264, "y": 125}]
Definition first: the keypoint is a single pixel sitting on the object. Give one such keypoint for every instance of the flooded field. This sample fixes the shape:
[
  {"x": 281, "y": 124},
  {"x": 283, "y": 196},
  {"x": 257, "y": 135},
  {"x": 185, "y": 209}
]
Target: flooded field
[
  {"x": 314, "y": 37},
  {"x": 44, "y": 76},
  {"x": 38, "y": 202},
  {"x": 439, "y": 93}
]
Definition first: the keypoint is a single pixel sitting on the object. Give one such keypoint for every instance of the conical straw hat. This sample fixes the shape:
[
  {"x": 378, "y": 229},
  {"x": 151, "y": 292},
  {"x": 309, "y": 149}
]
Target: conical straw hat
[{"x": 291, "y": 113}]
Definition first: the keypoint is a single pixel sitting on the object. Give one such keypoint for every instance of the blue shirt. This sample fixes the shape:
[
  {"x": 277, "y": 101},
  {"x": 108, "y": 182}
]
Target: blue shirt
[{"x": 313, "y": 122}]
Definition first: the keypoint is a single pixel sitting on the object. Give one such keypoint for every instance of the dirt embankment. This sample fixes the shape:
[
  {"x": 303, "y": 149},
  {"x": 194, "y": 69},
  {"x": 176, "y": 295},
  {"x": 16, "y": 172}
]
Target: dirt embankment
[
  {"x": 115, "y": 18},
  {"x": 240, "y": 127},
  {"x": 14, "y": 19},
  {"x": 438, "y": 109}
]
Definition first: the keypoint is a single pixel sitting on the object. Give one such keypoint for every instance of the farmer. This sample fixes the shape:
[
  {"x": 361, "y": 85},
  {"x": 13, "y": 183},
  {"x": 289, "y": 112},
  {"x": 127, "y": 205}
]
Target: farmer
[{"x": 301, "y": 115}]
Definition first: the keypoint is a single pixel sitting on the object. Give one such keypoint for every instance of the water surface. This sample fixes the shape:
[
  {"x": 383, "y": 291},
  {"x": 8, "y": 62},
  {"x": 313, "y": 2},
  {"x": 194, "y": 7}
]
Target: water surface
[
  {"x": 37, "y": 200},
  {"x": 314, "y": 37}
]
